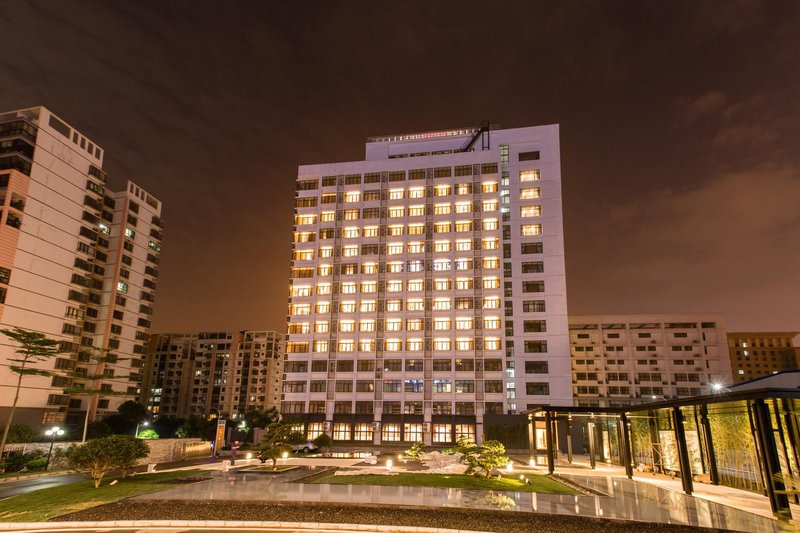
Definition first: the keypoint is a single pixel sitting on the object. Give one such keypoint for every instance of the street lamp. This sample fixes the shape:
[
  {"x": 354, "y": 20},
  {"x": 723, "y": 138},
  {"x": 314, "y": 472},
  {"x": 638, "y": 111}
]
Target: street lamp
[
  {"x": 53, "y": 432},
  {"x": 144, "y": 424}
]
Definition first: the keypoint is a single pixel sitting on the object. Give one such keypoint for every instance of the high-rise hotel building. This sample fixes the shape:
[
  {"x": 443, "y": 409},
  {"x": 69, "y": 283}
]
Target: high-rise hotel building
[
  {"x": 78, "y": 263},
  {"x": 427, "y": 287}
]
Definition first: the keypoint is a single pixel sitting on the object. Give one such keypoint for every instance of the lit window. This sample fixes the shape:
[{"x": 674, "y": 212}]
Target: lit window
[
  {"x": 489, "y": 205},
  {"x": 463, "y": 263},
  {"x": 303, "y": 255},
  {"x": 463, "y": 344},
  {"x": 395, "y": 229},
  {"x": 366, "y": 345},
  {"x": 416, "y": 210},
  {"x": 324, "y": 270},
  {"x": 412, "y": 432},
  {"x": 529, "y": 230},
  {"x": 394, "y": 248},
  {"x": 394, "y": 306},
  {"x": 441, "y": 265},
  {"x": 441, "y": 304},
  {"x": 327, "y": 216},
  {"x": 321, "y": 326},
  {"x": 529, "y": 175},
  {"x": 349, "y": 251},
  {"x": 348, "y": 288},
  {"x": 441, "y": 209},
  {"x": 394, "y": 324},
  {"x": 414, "y": 324},
  {"x": 442, "y": 385},
  {"x": 369, "y": 286},
  {"x": 122, "y": 286},
  {"x": 341, "y": 431},
  {"x": 416, "y": 229},
  {"x": 416, "y": 192},
  {"x": 531, "y": 193},
  {"x": 463, "y": 188},
  {"x": 491, "y": 343},
  {"x": 394, "y": 285},
  {"x": 441, "y": 227},
  {"x": 491, "y": 262},
  {"x": 396, "y": 194},
  {"x": 390, "y": 433},
  {"x": 366, "y": 326},
  {"x": 415, "y": 304},
  {"x": 527, "y": 211},
  {"x": 491, "y": 243},
  {"x": 300, "y": 309},
  {"x": 351, "y": 197},
  {"x": 301, "y": 290},
  {"x": 371, "y": 231},
  {"x": 320, "y": 346},
  {"x": 347, "y": 346},
  {"x": 394, "y": 267},
  {"x": 491, "y": 302},
  {"x": 442, "y": 433},
  {"x": 464, "y": 323},
  {"x": 326, "y": 251},
  {"x": 363, "y": 432},
  {"x": 490, "y": 224},
  {"x": 465, "y": 430},
  {"x": 369, "y": 268},
  {"x": 463, "y": 284},
  {"x": 442, "y": 284},
  {"x": 463, "y": 245},
  {"x": 414, "y": 285},
  {"x": 367, "y": 306},
  {"x": 416, "y": 265},
  {"x": 397, "y": 212},
  {"x": 441, "y": 190},
  {"x": 416, "y": 247},
  {"x": 351, "y": 214},
  {"x": 441, "y": 324},
  {"x": 491, "y": 283},
  {"x": 347, "y": 306},
  {"x": 441, "y": 345},
  {"x": 393, "y": 345},
  {"x": 441, "y": 246},
  {"x": 489, "y": 186},
  {"x": 323, "y": 288},
  {"x": 347, "y": 326},
  {"x": 463, "y": 207},
  {"x": 323, "y": 307},
  {"x": 129, "y": 233},
  {"x": 414, "y": 345},
  {"x": 464, "y": 225},
  {"x": 491, "y": 322},
  {"x": 350, "y": 232}
]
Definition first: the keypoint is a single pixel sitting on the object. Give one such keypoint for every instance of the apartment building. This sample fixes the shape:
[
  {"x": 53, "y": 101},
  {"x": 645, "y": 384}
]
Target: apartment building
[
  {"x": 754, "y": 354},
  {"x": 197, "y": 374},
  {"x": 624, "y": 359},
  {"x": 78, "y": 262},
  {"x": 427, "y": 287}
]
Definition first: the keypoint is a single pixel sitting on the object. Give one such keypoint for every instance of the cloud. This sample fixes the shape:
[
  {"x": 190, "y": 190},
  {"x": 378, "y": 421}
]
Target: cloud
[{"x": 710, "y": 103}]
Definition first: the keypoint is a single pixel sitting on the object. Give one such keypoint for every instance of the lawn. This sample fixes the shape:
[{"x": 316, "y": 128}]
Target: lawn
[
  {"x": 539, "y": 483},
  {"x": 45, "y": 504}
]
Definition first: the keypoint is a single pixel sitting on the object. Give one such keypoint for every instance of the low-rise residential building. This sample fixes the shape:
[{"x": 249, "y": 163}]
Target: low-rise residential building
[{"x": 623, "y": 359}]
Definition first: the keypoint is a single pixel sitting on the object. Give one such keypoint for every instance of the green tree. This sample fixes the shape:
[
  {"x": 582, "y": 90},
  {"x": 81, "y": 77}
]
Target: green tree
[
  {"x": 98, "y": 457},
  {"x": 33, "y": 348},
  {"x": 486, "y": 457},
  {"x": 99, "y": 358},
  {"x": 196, "y": 426},
  {"x": 323, "y": 441},
  {"x": 256, "y": 418},
  {"x": 22, "y": 433},
  {"x": 274, "y": 443},
  {"x": 416, "y": 451},
  {"x": 148, "y": 434},
  {"x": 133, "y": 411}
]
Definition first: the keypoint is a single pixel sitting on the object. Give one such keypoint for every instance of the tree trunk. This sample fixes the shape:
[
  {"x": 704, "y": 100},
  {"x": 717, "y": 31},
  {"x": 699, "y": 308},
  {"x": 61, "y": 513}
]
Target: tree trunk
[{"x": 11, "y": 412}]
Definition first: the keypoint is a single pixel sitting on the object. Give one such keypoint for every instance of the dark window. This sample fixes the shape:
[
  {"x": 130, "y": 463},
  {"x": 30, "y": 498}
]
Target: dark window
[
  {"x": 529, "y": 156},
  {"x": 531, "y": 247}
]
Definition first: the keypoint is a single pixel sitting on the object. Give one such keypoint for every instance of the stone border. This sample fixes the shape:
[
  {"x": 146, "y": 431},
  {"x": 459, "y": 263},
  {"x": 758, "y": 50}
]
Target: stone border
[{"x": 308, "y": 526}]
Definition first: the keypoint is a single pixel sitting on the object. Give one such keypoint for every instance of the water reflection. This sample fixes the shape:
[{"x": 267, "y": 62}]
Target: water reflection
[{"x": 626, "y": 499}]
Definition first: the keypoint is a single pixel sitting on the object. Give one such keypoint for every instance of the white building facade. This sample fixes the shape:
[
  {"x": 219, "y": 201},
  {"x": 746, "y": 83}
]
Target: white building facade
[
  {"x": 427, "y": 287},
  {"x": 623, "y": 359},
  {"x": 79, "y": 264}
]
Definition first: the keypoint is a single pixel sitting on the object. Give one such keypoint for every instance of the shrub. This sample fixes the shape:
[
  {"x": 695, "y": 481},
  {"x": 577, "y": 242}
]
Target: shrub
[
  {"x": 14, "y": 461},
  {"x": 22, "y": 433},
  {"x": 416, "y": 451},
  {"x": 100, "y": 456},
  {"x": 36, "y": 464},
  {"x": 486, "y": 457},
  {"x": 148, "y": 434},
  {"x": 323, "y": 441}
]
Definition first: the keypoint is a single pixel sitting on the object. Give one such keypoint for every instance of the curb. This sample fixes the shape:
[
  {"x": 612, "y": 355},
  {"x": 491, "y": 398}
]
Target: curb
[{"x": 307, "y": 526}]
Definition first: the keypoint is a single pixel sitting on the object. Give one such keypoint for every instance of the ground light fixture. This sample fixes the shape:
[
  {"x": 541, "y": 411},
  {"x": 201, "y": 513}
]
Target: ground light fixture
[
  {"x": 53, "y": 432},
  {"x": 388, "y": 464},
  {"x": 285, "y": 455}
]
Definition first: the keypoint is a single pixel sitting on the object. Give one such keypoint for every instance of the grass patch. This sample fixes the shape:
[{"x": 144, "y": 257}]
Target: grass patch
[
  {"x": 42, "y": 505},
  {"x": 539, "y": 483}
]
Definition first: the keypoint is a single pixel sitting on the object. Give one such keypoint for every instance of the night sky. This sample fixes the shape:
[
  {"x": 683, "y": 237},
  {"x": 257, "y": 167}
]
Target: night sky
[{"x": 680, "y": 131}]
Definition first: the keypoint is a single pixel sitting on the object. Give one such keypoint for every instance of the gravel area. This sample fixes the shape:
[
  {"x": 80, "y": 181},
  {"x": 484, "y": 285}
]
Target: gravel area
[{"x": 495, "y": 521}]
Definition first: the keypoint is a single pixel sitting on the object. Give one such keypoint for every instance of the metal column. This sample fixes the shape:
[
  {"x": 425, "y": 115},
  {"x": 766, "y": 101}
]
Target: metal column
[
  {"x": 625, "y": 444},
  {"x": 712, "y": 458},
  {"x": 683, "y": 451},
  {"x": 531, "y": 439},
  {"x": 776, "y": 490},
  {"x": 590, "y": 435},
  {"x": 548, "y": 433},
  {"x": 569, "y": 439}
]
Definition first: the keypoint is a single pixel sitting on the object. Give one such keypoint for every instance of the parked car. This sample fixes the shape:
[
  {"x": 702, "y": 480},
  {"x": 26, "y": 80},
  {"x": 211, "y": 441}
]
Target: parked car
[{"x": 304, "y": 447}]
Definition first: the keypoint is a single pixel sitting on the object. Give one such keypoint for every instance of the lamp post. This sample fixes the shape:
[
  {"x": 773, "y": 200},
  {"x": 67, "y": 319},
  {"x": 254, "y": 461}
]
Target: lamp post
[
  {"x": 53, "y": 432},
  {"x": 143, "y": 424}
]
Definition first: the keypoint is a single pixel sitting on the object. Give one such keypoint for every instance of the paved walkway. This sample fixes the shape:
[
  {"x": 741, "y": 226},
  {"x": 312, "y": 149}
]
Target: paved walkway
[{"x": 627, "y": 500}]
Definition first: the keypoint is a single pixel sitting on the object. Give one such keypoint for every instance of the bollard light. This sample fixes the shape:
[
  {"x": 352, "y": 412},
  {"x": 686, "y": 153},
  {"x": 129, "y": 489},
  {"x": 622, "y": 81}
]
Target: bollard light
[
  {"x": 249, "y": 455},
  {"x": 285, "y": 455},
  {"x": 510, "y": 467},
  {"x": 388, "y": 464},
  {"x": 531, "y": 463}
]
